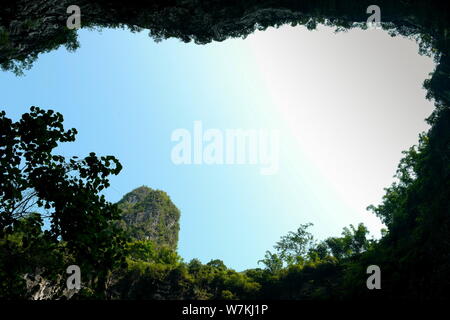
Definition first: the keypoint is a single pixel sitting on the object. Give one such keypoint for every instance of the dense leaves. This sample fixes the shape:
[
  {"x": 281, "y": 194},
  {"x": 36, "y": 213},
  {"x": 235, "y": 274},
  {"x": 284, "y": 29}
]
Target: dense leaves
[{"x": 37, "y": 184}]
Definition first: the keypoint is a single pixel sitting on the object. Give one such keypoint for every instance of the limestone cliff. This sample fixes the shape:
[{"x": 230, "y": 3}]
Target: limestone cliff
[{"x": 150, "y": 215}]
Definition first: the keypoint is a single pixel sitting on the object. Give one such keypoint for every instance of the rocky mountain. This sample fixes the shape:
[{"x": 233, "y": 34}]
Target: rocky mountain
[
  {"x": 147, "y": 215},
  {"x": 150, "y": 215}
]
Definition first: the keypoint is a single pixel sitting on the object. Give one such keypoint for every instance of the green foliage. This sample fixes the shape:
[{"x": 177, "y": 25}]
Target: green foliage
[
  {"x": 353, "y": 242},
  {"x": 146, "y": 251},
  {"x": 24, "y": 250},
  {"x": 37, "y": 184},
  {"x": 294, "y": 247},
  {"x": 156, "y": 272},
  {"x": 314, "y": 270},
  {"x": 272, "y": 262}
]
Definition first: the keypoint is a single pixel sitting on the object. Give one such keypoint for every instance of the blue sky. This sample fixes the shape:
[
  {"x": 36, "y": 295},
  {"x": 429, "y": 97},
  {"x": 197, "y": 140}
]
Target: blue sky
[{"x": 338, "y": 101}]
